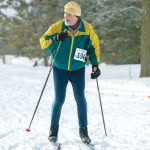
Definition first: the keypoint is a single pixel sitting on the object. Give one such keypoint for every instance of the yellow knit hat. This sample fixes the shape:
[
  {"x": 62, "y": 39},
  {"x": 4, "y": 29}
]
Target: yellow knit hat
[{"x": 73, "y": 8}]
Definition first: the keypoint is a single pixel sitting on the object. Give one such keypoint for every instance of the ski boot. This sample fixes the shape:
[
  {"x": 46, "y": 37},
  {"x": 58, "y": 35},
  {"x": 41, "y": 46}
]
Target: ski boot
[
  {"x": 53, "y": 133},
  {"x": 83, "y": 132}
]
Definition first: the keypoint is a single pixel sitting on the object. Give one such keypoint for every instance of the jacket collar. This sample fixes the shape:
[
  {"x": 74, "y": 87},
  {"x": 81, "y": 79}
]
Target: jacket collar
[{"x": 81, "y": 26}]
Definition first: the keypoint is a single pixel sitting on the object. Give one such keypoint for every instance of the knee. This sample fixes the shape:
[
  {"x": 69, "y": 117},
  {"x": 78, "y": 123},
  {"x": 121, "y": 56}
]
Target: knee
[
  {"x": 79, "y": 95},
  {"x": 81, "y": 100},
  {"x": 59, "y": 101}
]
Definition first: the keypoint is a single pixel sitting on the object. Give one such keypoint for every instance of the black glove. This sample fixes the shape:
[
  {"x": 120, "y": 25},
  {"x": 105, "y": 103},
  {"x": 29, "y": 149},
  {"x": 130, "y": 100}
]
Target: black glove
[
  {"x": 95, "y": 72},
  {"x": 62, "y": 36}
]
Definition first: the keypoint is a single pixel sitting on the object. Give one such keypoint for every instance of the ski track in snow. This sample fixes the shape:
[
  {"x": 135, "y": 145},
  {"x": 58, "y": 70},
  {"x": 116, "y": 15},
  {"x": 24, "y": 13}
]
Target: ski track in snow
[{"x": 124, "y": 97}]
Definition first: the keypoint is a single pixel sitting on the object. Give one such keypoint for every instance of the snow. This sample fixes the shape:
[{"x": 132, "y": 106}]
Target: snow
[
  {"x": 9, "y": 11},
  {"x": 124, "y": 96},
  {"x": 28, "y": 1}
]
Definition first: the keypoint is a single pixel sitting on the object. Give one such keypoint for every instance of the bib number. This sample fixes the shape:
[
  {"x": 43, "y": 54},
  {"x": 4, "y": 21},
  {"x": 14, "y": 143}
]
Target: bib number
[{"x": 80, "y": 54}]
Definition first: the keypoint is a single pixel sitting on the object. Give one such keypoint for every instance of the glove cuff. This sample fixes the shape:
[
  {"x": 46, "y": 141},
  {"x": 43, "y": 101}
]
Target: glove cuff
[{"x": 94, "y": 66}]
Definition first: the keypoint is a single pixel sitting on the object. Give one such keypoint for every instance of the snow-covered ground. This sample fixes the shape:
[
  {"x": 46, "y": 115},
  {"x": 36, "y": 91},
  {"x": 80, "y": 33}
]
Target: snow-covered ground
[{"x": 125, "y": 99}]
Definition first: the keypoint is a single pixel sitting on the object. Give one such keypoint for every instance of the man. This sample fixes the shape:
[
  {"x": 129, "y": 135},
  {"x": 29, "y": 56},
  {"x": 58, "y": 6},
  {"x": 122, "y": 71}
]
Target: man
[{"x": 69, "y": 41}]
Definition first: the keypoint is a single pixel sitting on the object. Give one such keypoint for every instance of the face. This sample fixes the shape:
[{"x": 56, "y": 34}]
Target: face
[{"x": 70, "y": 19}]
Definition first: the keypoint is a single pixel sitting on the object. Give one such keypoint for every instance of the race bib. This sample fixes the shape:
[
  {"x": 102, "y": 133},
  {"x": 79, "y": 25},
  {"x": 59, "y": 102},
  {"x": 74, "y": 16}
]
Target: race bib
[{"x": 80, "y": 54}]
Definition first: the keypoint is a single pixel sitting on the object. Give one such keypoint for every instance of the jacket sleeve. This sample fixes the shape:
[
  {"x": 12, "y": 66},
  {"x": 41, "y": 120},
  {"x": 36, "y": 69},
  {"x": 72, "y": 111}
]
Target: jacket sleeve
[
  {"x": 47, "y": 41},
  {"x": 93, "y": 47}
]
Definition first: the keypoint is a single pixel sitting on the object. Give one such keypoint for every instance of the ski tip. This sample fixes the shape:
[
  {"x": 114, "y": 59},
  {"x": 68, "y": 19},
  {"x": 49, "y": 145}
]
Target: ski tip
[{"x": 28, "y": 130}]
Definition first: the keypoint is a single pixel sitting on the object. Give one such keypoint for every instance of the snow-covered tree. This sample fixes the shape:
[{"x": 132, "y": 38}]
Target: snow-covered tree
[{"x": 117, "y": 23}]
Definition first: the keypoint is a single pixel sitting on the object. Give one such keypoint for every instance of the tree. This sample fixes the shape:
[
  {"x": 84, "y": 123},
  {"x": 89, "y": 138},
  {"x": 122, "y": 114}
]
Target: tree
[
  {"x": 145, "y": 40},
  {"x": 117, "y": 23}
]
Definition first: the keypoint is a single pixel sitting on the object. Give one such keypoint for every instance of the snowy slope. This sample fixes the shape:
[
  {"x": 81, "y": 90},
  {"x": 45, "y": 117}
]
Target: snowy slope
[{"x": 125, "y": 101}]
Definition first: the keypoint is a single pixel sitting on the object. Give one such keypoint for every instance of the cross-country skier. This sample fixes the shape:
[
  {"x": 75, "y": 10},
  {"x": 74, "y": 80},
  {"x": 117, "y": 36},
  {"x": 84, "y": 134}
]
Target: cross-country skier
[{"x": 77, "y": 40}]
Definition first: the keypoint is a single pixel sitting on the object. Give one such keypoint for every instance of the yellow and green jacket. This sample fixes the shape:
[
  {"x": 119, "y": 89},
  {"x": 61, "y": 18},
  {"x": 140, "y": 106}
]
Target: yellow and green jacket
[{"x": 72, "y": 51}]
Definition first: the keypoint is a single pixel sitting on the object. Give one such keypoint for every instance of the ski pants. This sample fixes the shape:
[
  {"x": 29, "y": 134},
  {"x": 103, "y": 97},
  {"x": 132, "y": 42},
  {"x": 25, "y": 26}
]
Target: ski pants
[{"x": 61, "y": 79}]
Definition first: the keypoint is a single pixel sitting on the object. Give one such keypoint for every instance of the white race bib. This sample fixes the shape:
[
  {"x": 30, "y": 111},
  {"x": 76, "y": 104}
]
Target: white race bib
[{"x": 80, "y": 54}]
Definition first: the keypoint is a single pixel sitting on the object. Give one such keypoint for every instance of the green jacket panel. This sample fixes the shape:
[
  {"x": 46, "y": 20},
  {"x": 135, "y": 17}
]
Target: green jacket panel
[{"x": 72, "y": 51}]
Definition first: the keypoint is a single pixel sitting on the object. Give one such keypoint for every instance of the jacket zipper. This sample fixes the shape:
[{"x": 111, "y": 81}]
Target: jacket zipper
[{"x": 70, "y": 52}]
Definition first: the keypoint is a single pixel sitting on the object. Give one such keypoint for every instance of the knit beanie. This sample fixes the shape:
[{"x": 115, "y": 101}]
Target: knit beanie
[{"x": 73, "y": 8}]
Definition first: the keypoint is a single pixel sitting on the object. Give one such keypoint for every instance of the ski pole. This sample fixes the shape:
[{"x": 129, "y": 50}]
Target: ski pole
[
  {"x": 101, "y": 106},
  {"x": 51, "y": 66}
]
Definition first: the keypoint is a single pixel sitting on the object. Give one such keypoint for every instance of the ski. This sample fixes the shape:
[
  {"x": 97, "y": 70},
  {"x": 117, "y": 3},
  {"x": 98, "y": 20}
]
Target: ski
[
  {"x": 90, "y": 146},
  {"x": 55, "y": 146}
]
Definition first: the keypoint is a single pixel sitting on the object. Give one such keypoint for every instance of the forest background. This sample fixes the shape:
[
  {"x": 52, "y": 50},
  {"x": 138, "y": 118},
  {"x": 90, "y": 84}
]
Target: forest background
[{"x": 118, "y": 23}]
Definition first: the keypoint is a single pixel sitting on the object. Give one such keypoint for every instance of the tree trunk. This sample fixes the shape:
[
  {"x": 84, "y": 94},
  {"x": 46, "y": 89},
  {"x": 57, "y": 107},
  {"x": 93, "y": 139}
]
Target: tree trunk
[{"x": 145, "y": 40}]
